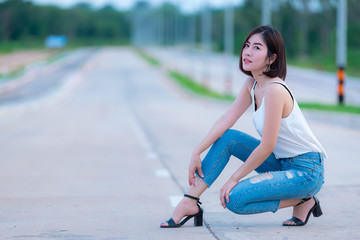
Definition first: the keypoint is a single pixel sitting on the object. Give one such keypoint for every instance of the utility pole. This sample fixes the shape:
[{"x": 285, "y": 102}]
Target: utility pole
[
  {"x": 191, "y": 41},
  {"x": 229, "y": 46},
  {"x": 206, "y": 42},
  {"x": 341, "y": 41},
  {"x": 266, "y": 12}
]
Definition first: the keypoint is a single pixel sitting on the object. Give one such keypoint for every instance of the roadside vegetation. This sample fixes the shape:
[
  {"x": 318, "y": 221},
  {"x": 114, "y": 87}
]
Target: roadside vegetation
[
  {"x": 194, "y": 87},
  {"x": 309, "y": 42}
]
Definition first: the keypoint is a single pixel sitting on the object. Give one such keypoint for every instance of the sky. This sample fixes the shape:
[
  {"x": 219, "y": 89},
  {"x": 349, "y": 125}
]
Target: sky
[{"x": 186, "y": 5}]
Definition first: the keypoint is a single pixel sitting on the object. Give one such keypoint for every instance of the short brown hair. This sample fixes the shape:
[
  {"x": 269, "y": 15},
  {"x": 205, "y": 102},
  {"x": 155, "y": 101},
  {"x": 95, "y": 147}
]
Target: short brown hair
[{"x": 275, "y": 45}]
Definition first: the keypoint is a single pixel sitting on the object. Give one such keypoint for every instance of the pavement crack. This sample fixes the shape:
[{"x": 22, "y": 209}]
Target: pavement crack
[{"x": 148, "y": 141}]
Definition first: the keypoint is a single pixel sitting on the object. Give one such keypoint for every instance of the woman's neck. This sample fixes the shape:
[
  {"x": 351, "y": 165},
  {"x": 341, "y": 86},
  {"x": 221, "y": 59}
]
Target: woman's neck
[{"x": 261, "y": 79}]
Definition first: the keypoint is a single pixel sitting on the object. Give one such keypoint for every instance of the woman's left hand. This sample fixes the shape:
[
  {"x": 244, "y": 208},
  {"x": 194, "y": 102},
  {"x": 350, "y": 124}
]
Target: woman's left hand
[{"x": 225, "y": 191}]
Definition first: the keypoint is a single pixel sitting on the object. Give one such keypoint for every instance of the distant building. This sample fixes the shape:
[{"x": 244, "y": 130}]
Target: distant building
[{"x": 55, "y": 41}]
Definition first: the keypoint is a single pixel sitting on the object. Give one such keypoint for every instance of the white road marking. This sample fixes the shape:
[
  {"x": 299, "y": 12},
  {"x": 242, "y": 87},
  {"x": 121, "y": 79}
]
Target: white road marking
[
  {"x": 152, "y": 155},
  {"x": 162, "y": 173}
]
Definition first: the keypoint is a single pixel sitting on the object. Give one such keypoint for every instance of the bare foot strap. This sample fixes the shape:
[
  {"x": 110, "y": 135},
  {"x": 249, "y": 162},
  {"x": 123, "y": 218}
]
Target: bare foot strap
[
  {"x": 192, "y": 197},
  {"x": 303, "y": 201}
]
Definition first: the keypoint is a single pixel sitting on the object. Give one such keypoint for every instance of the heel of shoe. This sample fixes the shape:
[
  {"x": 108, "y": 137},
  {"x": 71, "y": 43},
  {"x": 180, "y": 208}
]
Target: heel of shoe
[
  {"x": 198, "y": 220},
  {"x": 317, "y": 211}
]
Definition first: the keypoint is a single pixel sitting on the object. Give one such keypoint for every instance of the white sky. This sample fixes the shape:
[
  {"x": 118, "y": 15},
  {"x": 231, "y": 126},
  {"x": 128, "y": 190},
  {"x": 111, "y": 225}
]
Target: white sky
[{"x": 186, "y": 5}]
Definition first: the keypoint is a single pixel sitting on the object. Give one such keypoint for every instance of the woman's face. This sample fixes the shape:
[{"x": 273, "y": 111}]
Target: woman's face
[{"x": 254, "y": 54}]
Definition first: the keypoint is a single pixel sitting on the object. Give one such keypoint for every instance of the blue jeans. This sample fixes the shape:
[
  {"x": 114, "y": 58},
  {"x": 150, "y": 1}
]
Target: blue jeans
[{"x": 287, "y": 178}]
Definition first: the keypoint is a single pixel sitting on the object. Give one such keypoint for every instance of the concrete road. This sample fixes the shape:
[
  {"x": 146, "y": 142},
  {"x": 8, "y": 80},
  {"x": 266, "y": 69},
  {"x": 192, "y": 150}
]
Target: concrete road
[
  {"x": 106, "y": 158},
  {"x": 42, "y": 79}
]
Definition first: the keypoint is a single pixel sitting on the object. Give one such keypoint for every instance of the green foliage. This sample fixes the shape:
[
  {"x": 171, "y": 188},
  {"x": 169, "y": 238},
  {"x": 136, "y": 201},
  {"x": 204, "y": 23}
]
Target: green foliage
[
  {"x": 22, "y": 21},
  {"x": 10, "y": 46},
  {"x": 309, "y": 33}
]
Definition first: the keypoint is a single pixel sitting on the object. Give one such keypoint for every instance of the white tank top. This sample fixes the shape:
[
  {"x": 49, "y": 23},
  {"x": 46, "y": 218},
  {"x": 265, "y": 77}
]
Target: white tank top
[{"x": 295, "y": 136}]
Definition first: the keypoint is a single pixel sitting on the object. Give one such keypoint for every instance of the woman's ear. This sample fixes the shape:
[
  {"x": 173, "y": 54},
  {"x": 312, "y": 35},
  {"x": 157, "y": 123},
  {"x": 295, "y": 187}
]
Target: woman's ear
[{"x": 272, "y": 58}]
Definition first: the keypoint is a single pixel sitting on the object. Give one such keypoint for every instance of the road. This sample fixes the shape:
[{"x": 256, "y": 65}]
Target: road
[
  {"x": 42, "y": 79},
  {"x": 107, "y": 159}
]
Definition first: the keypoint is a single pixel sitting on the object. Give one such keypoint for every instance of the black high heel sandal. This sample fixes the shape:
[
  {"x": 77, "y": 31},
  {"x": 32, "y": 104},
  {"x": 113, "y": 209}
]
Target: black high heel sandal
[
  {"x": 315, "y": 210},
  {"x": 198, "y": 217}
]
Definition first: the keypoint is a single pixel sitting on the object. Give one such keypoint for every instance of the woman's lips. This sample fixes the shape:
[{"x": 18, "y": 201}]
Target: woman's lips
[{"x": 246, "y": 60}]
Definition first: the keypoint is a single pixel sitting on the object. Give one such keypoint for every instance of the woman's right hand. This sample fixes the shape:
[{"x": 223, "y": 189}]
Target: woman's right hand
[{"x": 195, "y": 164}]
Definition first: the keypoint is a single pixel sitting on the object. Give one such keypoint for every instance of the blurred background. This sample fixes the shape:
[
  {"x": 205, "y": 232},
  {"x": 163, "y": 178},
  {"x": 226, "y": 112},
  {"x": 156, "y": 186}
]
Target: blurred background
[
  {"x": 96, "y": 129},
  {"x": 309, "y": 27}
]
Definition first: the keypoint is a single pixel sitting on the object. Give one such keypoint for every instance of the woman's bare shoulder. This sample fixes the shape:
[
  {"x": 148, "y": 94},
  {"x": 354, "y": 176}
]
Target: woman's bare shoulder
[
  {"x": 276, "y": 90},
  {"x": 249, "y": 82}
]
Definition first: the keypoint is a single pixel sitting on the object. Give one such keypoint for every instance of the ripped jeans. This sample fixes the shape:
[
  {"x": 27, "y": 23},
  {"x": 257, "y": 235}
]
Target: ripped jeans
[{"x": 287, "y": 178}]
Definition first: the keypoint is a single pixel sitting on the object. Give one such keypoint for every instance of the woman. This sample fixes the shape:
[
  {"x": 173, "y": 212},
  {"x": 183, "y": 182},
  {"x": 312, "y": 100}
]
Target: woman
[{"x": 288, "y": 158}]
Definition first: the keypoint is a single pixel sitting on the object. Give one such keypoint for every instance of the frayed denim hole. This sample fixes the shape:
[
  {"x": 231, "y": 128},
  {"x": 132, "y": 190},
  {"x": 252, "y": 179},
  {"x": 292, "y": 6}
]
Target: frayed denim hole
[
  {"x": 261, "y": 177},
  {"x": 196, "y": 174},
  {"x": 259, "y": 189}
]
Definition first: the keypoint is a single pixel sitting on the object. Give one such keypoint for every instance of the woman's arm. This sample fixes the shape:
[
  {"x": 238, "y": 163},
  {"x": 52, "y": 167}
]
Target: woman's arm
[
  {"x": 274, "y": 104},
  {"x": 226, "y": 121}
]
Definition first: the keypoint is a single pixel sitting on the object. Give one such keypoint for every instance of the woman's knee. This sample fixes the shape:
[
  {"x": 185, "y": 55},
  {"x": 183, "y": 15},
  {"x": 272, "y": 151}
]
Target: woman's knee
[
  {"x": 235, "y": 205},
  {"x": 230, "y": 133},
  {"x": 236, "y": 136},
  {"x": 229, "y": 137},
  {"x": 225, "y": 140}
]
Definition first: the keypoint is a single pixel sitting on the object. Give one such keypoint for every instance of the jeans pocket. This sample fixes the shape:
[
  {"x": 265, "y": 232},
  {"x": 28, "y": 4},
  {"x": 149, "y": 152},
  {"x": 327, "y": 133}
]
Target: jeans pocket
[{"x": 305, "y": 164}]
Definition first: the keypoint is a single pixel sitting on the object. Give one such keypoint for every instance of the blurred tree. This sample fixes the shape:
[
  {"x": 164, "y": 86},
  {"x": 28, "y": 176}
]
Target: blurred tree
[
  {"x": 308, "y": 26},
  {"x": 246, "y": 17},
  {"x": 22, "y": 20},
  {"x": 304, "y": 16},
  {"x": 354, "y": 24}
]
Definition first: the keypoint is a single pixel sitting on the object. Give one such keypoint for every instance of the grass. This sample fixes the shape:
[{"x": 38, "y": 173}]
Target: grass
[
  {"x": 197, "y": 88},
  {"x": 28, "y": 44},
  {"x": 11, "y": 75},
  {"x": 331, "y": 107},
  {"x": 185, "y": 81},
  {"x": 55, "y": 54},
  {"x": 95, "y": 42},
  {"x": 36, "y": 44},
  {"x": 328, "y": 63},
  {"x": 149, "y": 59},
  {"x": 201, "y": 90}
]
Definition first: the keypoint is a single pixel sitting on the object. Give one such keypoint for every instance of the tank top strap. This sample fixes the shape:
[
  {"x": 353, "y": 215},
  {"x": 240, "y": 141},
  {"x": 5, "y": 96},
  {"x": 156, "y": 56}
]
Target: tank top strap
[
  {"x": 284, "y": 87},
  {"x": 253, "y": 95},
  {"x": 255, "y": 82}
]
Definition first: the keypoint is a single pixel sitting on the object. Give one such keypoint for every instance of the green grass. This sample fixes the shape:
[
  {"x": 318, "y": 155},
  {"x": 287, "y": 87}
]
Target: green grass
[
  {"x": 147, "y": 58},
  {"x": 318, "y": 63},
  {"x": 36, "y": 44},
  {"x": 29, "y": 44},
  {"x": 328, "y": 63},
  {"x": 191, "y": 85},
  {"x": 94, "y": 42},
  {"x": 55, "y": 55},
  {"x": 330, "y": 107},
  {"x": 197, "y": 88},
  {"x": 39, "y": 44}
]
